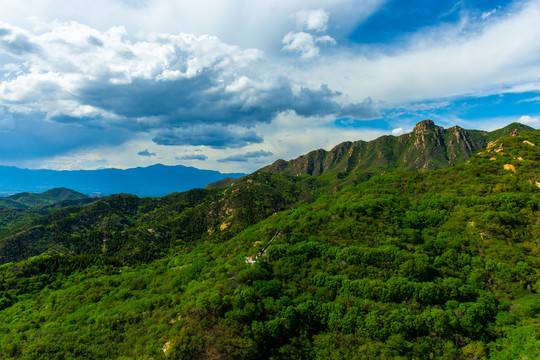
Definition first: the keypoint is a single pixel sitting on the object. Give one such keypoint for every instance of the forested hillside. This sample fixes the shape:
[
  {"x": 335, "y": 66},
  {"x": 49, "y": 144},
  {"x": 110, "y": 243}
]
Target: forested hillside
[{"x": 439, "y": 264}]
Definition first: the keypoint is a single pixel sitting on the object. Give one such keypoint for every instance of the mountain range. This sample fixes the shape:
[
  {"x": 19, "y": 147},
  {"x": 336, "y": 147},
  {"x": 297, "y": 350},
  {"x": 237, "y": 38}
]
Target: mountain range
[
  {"x": 155, "y": 180},
  {"x": 420, "y": 246},
  {"x": 427, "y": 147}
]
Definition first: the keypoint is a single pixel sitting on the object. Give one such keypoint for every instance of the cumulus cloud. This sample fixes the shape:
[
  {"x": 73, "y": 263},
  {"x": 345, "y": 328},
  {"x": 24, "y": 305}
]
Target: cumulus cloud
[
  {"x": 529, "y": 120},
  {"x": 182, "y": 88},
  {"x": 468, "y": 58},
  {"x": 192, "y": 157},
  {"x": 217, "y": 137},
  {"x": 314, "y": 20},
  {"x": 301, "y": 42},
  {"x": 72, "y": 80},
  {"x": 145, "y": 152},
  {"x": 246, "y": 157},
  {"x": 398, "y": 131},
  {"x": 267, "y": 20},
  {"x": 14, "y": 41},
  {"x": 305, "y": 43}
]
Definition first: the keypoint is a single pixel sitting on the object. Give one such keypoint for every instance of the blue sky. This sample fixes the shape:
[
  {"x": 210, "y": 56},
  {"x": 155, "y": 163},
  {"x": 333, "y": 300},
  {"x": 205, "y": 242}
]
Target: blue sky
[{"x": 233, "y": 85}]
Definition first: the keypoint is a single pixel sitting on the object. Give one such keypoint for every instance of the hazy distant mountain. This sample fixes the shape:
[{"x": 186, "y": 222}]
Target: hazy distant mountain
[{"x": 155, "y": 180}]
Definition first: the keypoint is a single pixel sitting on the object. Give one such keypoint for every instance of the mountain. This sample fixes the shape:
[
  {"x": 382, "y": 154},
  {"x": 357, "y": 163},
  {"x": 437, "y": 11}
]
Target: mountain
[
  {"x": 427, "y": 147},
  {"x": 26, "y": 200},
  {"x": 155, "y": 180},
  {"x": 411, "y": 264}
]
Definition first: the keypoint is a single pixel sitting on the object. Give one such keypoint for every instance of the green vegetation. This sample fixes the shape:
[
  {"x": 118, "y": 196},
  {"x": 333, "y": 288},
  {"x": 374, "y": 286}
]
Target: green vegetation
[
  {"x": 53, "y": 196},
  {"x": 439, "y": 264}
]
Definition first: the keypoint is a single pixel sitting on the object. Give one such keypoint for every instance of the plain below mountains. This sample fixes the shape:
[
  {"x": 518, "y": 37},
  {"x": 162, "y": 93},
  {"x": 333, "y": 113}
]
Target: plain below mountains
[{"x": 155, "y": 180}]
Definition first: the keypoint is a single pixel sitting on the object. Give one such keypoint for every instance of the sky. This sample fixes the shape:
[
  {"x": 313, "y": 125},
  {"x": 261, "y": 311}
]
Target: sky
[{"x": 233, "y": 85}]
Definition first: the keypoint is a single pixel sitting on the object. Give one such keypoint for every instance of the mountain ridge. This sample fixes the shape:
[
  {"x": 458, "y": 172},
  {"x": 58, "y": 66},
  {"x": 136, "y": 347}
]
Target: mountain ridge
[
  {"x": 427, "y": 147},
  {"x": 154, "y": 180}
]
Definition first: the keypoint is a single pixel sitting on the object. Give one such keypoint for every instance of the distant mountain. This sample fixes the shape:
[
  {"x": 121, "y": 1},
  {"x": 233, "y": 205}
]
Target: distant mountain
[
  {"x": 25, "y": 200},
  {"x": 155, "y": 180},
  {"x": 427, "y": 147}
]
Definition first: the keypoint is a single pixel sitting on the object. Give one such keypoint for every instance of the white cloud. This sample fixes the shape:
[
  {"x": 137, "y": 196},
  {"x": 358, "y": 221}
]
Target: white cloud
[
  {"x": 305, "y": 43},
  {"x": 528, "y": 120},
  {"x": 398, "y": 131},
  {"x": 533, "y": 99},
  {"x": 246, "y": 23},
  {"x": 312, "y": 20},
  {"x": 71, "y": 56},
  {"x": 302, "y": 43},
  {"x": 325, "y": 40},
  {"x": 487, "y": 14},
  {"x": 502, "y": 54}
]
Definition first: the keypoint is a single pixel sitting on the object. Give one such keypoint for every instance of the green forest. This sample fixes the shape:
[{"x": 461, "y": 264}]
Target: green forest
[{"x": 387, "y": 263}]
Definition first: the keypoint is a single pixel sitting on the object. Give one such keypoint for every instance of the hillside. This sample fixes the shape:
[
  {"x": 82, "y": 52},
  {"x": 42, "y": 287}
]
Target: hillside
[
  {"x": 141, "y": 229},
  {"x": 432, "y": 264},
  {"x": 155, "y": 180}
]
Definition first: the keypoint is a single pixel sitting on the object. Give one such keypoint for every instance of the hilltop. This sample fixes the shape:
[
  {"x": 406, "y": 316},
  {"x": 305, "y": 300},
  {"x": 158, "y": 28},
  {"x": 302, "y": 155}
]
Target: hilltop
[{"x": 26, "y": 200}]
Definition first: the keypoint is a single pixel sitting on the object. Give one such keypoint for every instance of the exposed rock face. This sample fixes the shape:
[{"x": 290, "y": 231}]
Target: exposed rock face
[
  {"x": 426, "y": 126},
  {"x": 427, "y": 147}
]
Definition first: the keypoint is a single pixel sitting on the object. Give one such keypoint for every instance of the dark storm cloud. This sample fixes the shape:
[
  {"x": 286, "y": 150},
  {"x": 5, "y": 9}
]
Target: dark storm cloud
[
  {"x": 247, "y": 156},
  {"x": 365, "y": 110},
  {"x": 18, "y": 45},
  {"x": 145, "y": 152},
  {"x": 205, "y": 100},
  {"x": 217, "y": 137},
  {"x": 95, "y": 41},
  {"x": 184, "y": 90},
  {"x": 32, "y": 138},
  {"x": 193, "y": 157}
]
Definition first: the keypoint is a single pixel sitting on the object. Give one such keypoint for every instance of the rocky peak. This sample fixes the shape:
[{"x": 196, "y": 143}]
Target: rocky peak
[{"x": 425, "y": 126}]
